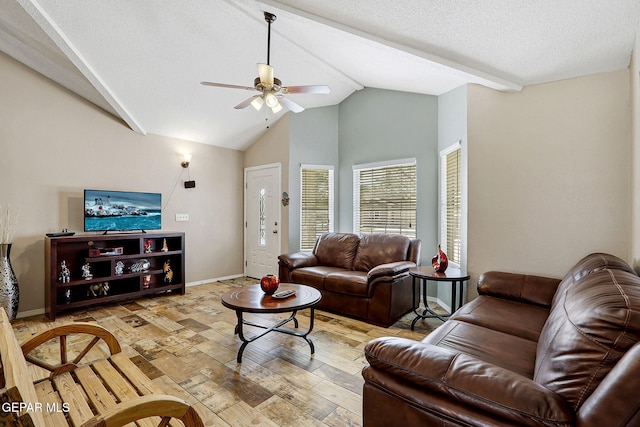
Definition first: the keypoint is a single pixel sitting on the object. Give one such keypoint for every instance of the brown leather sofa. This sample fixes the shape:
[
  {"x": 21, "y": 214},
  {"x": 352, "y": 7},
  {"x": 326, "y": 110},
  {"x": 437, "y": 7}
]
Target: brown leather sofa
[
  {"x": 366, "y": 277},
  {"x": 528, "y": 351}
]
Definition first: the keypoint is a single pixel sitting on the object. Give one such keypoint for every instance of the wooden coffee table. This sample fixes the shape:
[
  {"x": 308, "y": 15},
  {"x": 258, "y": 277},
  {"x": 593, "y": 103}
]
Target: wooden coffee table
[{"x": 251, "y": 299}]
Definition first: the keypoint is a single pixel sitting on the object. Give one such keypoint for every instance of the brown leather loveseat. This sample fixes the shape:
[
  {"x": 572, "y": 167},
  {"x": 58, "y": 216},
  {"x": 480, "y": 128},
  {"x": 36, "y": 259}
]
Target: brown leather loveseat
[
  {"x": 528, "y": 351},
  {"x": 366, "y": 276}
]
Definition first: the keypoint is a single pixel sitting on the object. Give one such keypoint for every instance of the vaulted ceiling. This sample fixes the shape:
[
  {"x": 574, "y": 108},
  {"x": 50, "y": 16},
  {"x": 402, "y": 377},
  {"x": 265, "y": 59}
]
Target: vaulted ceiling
[{"x": 143, "y": 60}]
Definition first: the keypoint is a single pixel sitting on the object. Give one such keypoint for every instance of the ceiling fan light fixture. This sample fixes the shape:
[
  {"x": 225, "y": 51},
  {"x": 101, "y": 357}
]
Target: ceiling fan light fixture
[
  {"x": 271, "y": 88},
  {"x": 257, "y": 103},
  {"x": 276, "y": 108},
  {"x": 270, "y": 99},
  {"x": 265, "y": 71}
]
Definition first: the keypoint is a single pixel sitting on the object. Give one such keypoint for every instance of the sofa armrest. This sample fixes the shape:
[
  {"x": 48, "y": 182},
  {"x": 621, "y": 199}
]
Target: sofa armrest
[
  {"x": 390, "y": 269},
  {"x": 469, "y": 381},
  {"x": 297, "y": 260},
  {"x": 609, "y": 402},
  {"x": 525, "y": 288}
]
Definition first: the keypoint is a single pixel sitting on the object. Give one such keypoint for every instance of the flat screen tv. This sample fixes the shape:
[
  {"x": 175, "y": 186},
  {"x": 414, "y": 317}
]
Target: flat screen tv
[{"x": 106, "y": 210}]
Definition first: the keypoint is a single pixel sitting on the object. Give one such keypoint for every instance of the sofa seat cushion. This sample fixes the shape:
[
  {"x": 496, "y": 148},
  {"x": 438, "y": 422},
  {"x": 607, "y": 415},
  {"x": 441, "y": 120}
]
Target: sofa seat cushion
[
  {"x": 377, "y": 249},
  {"x": 508, "y": 316},
  {"x": 313, "y": 276},
  {"x": 347, "y": 282},
  {"x": 507, "y": 351}
]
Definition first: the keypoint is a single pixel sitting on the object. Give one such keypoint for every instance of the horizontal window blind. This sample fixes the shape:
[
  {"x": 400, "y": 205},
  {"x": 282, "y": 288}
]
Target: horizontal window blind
[
  {"x": 316, "y": 214},
  {"x": 385, "y": 198},
  {"x": 453, "y": 200}
]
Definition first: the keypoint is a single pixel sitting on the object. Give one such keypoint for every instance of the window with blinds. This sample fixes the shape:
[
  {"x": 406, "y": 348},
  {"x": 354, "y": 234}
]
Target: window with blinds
[
  {"x": 316, "y": 203},
  {"x": 451, "y": 203},
  {"x": 385, "y": 198}
]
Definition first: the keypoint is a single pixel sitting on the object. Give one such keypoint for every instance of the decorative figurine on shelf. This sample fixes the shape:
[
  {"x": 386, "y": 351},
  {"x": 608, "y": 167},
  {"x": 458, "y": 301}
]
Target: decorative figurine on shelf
[
  {"x": 440, "y": 261},
  {"x": 146, "y": 281},
  {"x": 147, "y": 247},
  {"x": 165, "y": 248},
  {"x": 119, "y": 268},
  {"x": 168, "y": 272},
  {"x": 139, "y": 266},
  {"x": 67, "y": 295},
  {"x": 86, "y": 272},
  {"x": 65, "y": 274},
  {"x": 98, "y": 289}
]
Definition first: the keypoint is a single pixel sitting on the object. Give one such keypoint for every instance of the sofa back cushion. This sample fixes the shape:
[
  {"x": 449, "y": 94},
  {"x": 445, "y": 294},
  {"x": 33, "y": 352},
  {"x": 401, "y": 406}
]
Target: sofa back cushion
[
  {"x": 376, "y": 249},
  {"x": 587, "y": 265},
  {"x": 592, "y": 323},
  {"x": 336, "y": 249}
]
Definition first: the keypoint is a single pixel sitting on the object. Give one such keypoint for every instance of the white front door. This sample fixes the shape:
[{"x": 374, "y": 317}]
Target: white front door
[{"x": 262, "y": 220}]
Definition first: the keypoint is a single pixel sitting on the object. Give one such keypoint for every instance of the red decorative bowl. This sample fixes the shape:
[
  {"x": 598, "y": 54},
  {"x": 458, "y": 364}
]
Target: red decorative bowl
[{"x": 269, "y": 284}]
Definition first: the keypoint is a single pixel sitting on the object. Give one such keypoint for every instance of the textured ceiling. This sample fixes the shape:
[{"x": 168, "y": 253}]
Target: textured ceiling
[{"x": 143, "y": 61}]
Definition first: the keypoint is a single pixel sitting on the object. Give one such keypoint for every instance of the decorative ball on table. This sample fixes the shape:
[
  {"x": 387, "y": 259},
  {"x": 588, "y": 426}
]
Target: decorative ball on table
[
  {"x": 440, "y": 261},
  {"x": 269, "y": 284}
]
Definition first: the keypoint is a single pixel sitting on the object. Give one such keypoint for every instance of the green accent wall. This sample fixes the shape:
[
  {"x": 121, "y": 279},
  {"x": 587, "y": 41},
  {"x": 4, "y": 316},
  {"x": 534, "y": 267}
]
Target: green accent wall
[{"x": 379, "y": 125}]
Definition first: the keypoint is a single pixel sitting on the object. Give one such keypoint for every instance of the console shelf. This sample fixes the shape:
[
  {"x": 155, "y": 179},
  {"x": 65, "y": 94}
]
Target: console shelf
[{"x": 162, "y": 254}]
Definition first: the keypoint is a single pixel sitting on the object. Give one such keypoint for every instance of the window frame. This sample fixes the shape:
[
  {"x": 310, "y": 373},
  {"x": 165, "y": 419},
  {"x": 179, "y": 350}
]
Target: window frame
[
  {"x": 331, "y": 199},
  {"x": 357, "y": 169},
  {"x": 444, "y": 205}
]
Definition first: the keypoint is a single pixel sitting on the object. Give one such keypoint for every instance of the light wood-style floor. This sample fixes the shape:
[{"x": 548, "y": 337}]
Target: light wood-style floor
[{"x": 187, "y": 345}]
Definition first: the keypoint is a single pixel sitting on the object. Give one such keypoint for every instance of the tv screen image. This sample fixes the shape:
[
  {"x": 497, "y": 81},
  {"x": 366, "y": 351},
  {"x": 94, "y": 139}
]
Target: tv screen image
[{"x": 106, "y": 210}]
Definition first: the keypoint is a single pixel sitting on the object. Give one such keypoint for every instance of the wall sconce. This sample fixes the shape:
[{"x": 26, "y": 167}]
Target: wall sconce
[{"x": 186, "y": 160}]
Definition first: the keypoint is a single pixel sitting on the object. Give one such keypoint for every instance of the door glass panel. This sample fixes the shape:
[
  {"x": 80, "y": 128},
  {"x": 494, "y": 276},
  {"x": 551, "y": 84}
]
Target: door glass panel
[{"x": 262, "y": 226}]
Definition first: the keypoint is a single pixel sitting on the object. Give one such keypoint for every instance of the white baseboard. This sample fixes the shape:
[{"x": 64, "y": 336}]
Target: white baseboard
[
  {"x": 30, "y": 313},
  {"x": 217, "y": 279}
]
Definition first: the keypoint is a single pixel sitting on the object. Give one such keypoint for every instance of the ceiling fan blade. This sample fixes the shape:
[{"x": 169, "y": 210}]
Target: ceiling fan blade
[
  {"x": 246, "y": 102},
  {"x": 315, "y": 89},
  {"x": 265, "y": 72},
  {"x": 292, "y": 106},
  {"x": 226, "y": 85}
]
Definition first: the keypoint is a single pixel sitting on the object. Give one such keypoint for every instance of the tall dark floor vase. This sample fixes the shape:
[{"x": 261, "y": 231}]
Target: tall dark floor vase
[{"x": 9, "y": 291}]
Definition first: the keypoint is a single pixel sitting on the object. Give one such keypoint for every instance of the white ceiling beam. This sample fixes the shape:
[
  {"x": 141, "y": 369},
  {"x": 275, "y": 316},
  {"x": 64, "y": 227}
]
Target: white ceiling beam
[
  {"x": 38, "y": 14},
  {"x": 488, "y": 79}
]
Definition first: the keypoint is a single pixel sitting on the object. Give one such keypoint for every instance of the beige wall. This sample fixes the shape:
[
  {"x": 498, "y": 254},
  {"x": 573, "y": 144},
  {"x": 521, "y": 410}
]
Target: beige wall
[
  {"x": 53, "y": 145},
  {"x": 634, "y": 82},
  {"x": 273, "y": 147},
  {"x": 549, "y": 174}
]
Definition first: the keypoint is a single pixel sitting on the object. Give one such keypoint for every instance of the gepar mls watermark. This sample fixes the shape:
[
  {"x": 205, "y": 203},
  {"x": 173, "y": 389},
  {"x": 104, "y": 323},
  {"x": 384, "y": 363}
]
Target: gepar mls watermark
[{"x": 20, "y": 407}]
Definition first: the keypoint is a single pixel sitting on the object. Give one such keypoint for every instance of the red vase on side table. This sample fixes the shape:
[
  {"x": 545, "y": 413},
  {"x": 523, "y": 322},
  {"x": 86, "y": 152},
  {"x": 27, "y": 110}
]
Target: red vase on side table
[
  {"x": 269, "y": 284},
  {"x": 440, "y": 261}
]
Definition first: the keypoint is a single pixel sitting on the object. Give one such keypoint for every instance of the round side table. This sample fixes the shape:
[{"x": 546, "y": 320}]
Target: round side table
[{"x": 424, "y": 274}]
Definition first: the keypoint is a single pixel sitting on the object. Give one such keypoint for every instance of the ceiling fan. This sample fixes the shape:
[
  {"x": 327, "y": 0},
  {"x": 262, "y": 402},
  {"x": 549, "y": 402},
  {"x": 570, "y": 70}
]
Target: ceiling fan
[{"x": 272, "y": 91}]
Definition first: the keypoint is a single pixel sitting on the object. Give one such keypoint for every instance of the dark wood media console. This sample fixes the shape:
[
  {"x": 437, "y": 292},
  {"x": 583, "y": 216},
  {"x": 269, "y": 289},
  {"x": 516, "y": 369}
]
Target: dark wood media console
[{"x": 117, "y": 259}]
